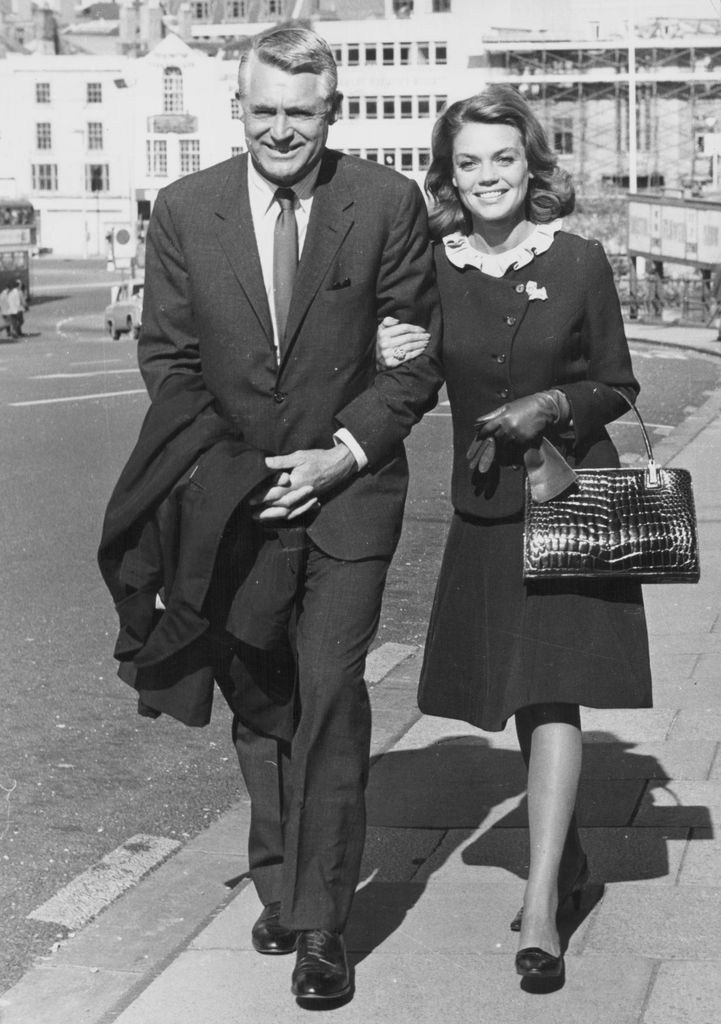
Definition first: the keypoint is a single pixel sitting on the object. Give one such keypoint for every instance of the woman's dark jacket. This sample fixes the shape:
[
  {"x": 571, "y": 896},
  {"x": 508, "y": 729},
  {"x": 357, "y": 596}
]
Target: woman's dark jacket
[{"x": 500, "y": 344}]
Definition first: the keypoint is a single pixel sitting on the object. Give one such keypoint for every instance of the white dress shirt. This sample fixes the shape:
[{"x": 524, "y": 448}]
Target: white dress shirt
[{"x": 264, "y": 211}]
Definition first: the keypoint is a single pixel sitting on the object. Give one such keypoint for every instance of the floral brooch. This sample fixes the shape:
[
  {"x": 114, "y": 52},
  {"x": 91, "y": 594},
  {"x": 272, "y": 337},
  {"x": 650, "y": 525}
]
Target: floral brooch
[{"x": 534, "y": 292}]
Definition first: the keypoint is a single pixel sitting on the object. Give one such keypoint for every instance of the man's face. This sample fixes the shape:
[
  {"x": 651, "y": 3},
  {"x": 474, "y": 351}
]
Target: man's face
[{"x": 286, "y": 120}]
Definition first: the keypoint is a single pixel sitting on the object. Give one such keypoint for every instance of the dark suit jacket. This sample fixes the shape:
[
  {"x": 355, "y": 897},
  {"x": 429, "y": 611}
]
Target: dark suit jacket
[
  {"x": 366, "y": 255},
  {"x": 499, "y": 344}
]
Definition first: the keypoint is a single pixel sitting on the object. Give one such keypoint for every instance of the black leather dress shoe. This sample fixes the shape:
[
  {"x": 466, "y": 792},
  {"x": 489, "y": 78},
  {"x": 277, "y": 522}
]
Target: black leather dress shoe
[
  {"x": 321, "y": 969},
  {"x": 269, "y": 936},
  {"x": 534, "y": 962}
]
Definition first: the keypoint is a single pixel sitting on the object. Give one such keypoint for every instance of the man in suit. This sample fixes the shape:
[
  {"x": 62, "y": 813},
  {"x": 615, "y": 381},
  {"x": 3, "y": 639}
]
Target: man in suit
[{"x": 266, "y": 277}]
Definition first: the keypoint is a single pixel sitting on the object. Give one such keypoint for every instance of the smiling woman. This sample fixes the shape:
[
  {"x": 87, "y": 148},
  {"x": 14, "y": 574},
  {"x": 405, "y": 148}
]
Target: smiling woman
[{"x": 533, "y": 350}]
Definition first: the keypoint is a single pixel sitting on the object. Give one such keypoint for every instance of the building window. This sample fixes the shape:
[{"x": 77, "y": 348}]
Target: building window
[
  {"x": 404, "y": 53},
  {"x": 406, "y": 160},
  {"x": 43, "y": 135},
  {"x": 236, "y": 8},
  {"x": 372, "y": 154},
  {"x": 189, "y": 155},
  {"x": 441, "y": 53},
  {"x": 441, "y": 6},
  {"x": 97, "y": 178},
  {"x": 354, "y": 152},
  {"x": 94, "y": 92},
  {"x": 562, "y": 134},
  {"x": 353, "y": 55},
  {"x": 440, "y": 103},
  {"x": 45, "y": 177},
  {"x": 275, "y": 8},
  {"x": 371, "y": 107},
  {"x": 389, "y": 157},
  {"x": 95, "y": 135},
  {"x": 338, "y": 53},
  {"x": 42, "y": 92},
  {"x": 172, "y": 91},
  {"x": 236, "y": 150},
  {"x": 157, "y": 158},
  {"x": 200, "y": 9},
  {"x": 389, "y": 54},
  {"x": 354, "y": 107},
  {"x": 423, "y": 53},
  {"x": 371, "y": 53},
  {"x": 424, "y": 106},
  {"x": 235, "y": 108},
  {"x": 406, "y": 105},
  {"x": 424, "y": 159},
  {"x": 389, "y": 107}
]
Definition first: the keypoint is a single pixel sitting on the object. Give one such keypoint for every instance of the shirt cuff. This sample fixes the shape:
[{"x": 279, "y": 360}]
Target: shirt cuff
[{"x": 344, "y": 436}]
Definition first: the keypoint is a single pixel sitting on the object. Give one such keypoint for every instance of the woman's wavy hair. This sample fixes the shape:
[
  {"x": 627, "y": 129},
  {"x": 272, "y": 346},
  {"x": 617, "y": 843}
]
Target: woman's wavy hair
[{"x": 550, "y": 190}]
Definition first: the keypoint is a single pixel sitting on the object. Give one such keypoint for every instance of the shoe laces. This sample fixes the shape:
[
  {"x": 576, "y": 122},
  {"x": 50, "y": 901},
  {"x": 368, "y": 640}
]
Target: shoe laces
[{"x": 316, "y": 942}]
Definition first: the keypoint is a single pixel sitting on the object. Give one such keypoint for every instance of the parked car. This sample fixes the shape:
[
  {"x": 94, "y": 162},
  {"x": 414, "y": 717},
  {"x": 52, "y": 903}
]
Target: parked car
[{"x": 123, "y": 315}]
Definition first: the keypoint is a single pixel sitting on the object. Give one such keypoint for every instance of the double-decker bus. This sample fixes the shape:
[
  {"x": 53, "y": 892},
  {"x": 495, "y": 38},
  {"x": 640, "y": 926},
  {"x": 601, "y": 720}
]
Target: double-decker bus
[{"x": 18, "y": 236}]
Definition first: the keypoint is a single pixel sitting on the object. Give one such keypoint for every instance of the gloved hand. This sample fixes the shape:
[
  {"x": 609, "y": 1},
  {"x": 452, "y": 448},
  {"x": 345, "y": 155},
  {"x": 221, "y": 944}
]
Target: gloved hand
[{"x": 519, "y": 422}]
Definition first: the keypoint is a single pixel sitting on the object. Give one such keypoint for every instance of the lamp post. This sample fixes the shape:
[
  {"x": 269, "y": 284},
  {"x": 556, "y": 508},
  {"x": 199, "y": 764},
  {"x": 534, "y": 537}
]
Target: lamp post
[{"x": 83, "y": 189}]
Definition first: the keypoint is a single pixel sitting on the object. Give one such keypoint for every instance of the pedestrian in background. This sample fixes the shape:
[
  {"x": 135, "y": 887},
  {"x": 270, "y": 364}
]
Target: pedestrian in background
[
  {"x": 533, "y": 346},
  {"x": 17, "y": 305},
  {"x": 5, "y": 323}
]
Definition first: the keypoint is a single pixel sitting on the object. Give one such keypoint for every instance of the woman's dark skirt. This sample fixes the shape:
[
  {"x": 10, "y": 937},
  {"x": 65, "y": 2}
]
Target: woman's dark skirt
[{"x": 496, "y": 644}]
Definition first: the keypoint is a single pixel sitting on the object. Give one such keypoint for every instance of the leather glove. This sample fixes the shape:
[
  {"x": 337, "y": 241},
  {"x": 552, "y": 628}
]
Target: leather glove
[{"x": 519, "y": 422}]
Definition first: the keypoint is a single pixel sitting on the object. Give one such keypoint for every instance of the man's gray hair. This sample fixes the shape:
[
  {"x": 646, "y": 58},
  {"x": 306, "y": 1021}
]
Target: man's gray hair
[{"x": 295, "y": 49}]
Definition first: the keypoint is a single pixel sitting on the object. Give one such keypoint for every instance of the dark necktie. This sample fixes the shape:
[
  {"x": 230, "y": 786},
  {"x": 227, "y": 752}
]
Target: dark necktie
[{"x": 285, "y": 258}]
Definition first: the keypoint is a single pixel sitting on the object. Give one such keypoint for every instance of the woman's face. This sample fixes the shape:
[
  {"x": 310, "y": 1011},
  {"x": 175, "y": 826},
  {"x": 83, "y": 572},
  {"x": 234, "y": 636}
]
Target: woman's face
[{"x": 490, "y": 171}]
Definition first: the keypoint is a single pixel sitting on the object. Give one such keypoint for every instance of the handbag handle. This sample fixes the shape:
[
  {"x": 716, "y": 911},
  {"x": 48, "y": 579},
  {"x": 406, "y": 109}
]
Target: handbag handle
[{"x": 652, "y": 475}]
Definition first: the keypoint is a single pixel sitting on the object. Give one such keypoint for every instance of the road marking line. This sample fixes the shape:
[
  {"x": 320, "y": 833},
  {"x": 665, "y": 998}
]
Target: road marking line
[
  {"x": 83, "y": 898},
  {"x": 83, "y": 373},
  {"x": 380, "y": 662},
  {"x": 80, "y": 398}
]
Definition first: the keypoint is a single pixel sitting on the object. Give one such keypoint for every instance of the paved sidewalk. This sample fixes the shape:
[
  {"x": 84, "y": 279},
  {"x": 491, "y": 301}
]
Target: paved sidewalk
[{"x": 446, "y": 860}]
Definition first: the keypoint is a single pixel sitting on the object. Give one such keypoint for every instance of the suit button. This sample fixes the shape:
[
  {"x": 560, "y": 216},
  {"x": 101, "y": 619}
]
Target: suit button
[
  {"x": 279, "y": 396},
  {"x": 503, "y": 393},
  {"x": 510, "y": 319},
  {"x": 501, "y": 358},
  {"x": 514, "y": 466},
  {"x": 520, "y": 288}
]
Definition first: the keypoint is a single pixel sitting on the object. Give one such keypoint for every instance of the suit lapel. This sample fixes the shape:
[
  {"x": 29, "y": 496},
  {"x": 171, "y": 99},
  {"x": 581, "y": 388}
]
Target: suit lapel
[
  {"x": 234, "y": 227},
  {"x": 331, "y": 217}
]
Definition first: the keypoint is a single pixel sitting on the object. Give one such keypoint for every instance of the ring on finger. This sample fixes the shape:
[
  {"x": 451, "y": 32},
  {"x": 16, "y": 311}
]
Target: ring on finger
[{"x": 399, "y": 353}]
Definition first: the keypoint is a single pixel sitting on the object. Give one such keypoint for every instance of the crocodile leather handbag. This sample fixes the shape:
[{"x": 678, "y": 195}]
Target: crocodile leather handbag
[{"x": 616, "y": 523}]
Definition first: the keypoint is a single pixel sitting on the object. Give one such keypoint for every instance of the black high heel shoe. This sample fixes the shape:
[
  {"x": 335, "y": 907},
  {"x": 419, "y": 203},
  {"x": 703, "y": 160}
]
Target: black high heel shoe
[
  {"x": 574, "y": 894},
  {"x": 534, "y": 962}
]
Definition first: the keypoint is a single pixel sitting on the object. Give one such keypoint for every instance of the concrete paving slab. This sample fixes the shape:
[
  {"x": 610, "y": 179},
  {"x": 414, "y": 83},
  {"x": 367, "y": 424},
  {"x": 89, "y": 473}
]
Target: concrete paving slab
[
  {"x": 397, "y": 854},
  {"x": 702, "y": 860},
  {"x": 404, "y": 989},
  {"x": 685, "y": 993},
  {"x": 689, "y": 804},
  {"x": 696, "y": 724},
  {"x": 626, "y": 725},
  {"x": 686, "y": 692},
  {"x": 681, "y": 922},
  {"x": 671, "y": 666},
  {"x": 708, "y": 666},
  {"x": 62, "y": 995},
  {"x": 668, "y": 760},
  {"x": 688, "y": 642},
  {"x": 481, "y": 856}
]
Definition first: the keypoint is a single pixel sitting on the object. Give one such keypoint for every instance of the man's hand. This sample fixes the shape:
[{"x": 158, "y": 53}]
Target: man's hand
[{"x": 303, "y": 475}]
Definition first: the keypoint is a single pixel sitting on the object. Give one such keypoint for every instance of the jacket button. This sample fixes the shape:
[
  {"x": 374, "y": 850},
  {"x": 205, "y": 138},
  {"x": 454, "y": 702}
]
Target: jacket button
[
  {"x": 279, "y": 396},
  {"x": 504, "y": 393},
  {"x": 520, "y": 288},
  {"x": 510, "y": 319},
  {"x": 514, "y": 466},
  {"x": 501, "y": 358}
]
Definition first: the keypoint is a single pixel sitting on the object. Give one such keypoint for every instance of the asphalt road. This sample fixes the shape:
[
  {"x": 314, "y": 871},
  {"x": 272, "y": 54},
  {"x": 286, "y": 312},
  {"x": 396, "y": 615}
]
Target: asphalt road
[{"x": 80, "y": 772}]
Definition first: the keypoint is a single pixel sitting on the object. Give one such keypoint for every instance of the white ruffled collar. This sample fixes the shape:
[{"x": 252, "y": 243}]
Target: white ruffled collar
[{"x": 461, "y": 253}]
